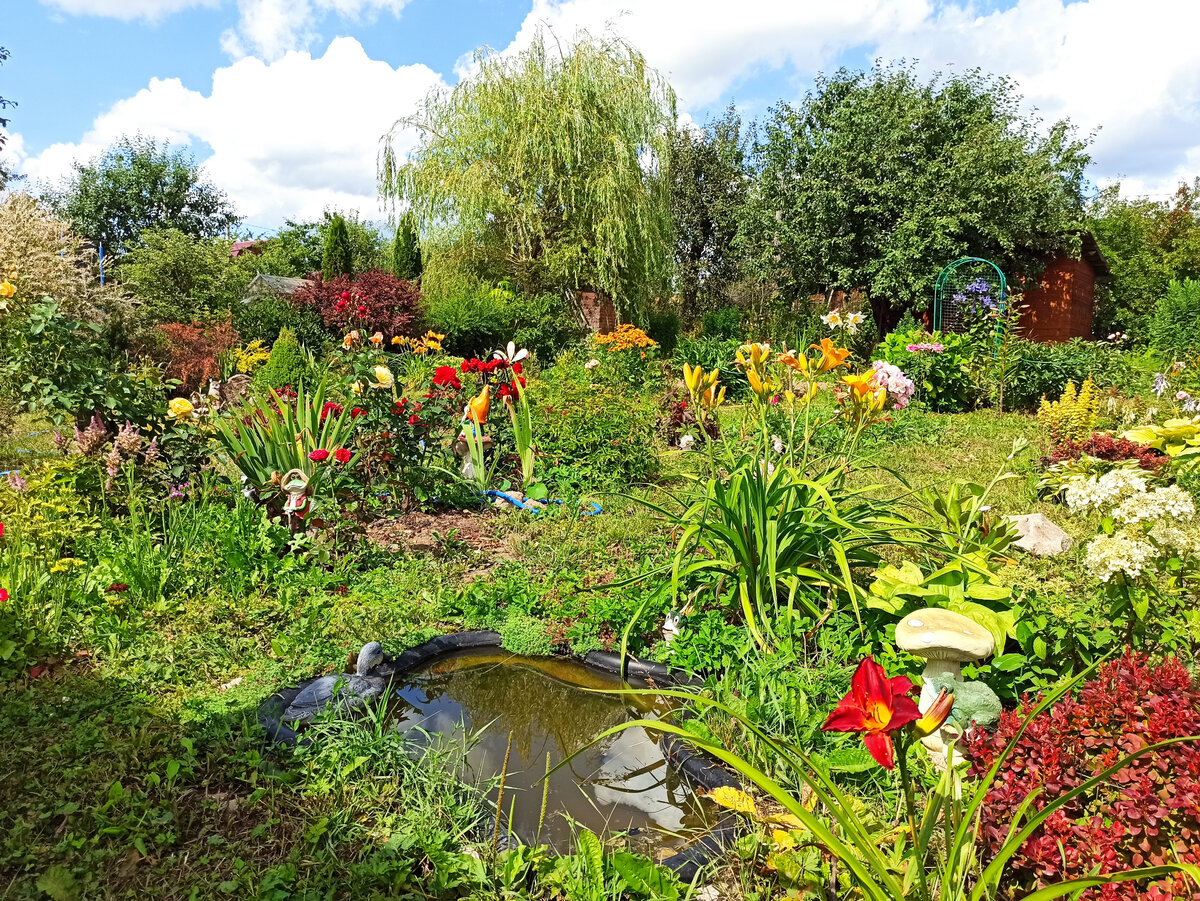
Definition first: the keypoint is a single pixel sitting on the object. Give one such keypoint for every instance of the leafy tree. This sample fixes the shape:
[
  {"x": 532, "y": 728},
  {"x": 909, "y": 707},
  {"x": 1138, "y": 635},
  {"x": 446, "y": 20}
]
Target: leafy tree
[
  {"x": 338, "y": 258},
  {"x": 876, "y": 180},
  {"x": 137, "y": 184},
  {"x": 406, "y": 250},
  {"x": 544, "y": 169},
  {"x": 707, "y": 172},
  {"x": 299, "y": 247},
  {"x": 5, "y": 174},
  {"x": 1147, "y": 243}
]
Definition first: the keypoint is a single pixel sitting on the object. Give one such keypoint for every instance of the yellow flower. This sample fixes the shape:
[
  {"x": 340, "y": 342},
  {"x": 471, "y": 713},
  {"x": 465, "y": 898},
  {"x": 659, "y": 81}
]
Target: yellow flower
[
  {"x": 864, "y": 391},
  {"x": 400, "y": 341},
  {"x": 357, "y": 388},
  {"x": 348, "y": 341},
  {"x": 831, "y": 357},
  {"x": 753, "y": 354},
  {"x": 692, "y": 377},
  {"x": 383, "y": 377},
  {"x": 7, "y": 289},
  {"x": 790, "y": 360},
  {"x": 181, "y": 408},
  {"x": 711, "y": 398}
]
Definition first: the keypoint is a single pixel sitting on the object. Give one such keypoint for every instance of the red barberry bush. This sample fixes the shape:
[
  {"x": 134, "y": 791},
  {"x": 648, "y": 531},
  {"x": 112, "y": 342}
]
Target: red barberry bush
[
  {"x": 1145, "y": 815},
  {"x": 378, "y": 301},
  {"x": 1106, "y": 447}
]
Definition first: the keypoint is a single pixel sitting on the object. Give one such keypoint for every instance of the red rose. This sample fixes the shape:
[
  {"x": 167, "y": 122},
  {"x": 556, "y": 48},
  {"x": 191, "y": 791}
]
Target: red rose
[
  {"x": 1, "y": 530},
  {"x": 414, "y": 420},
  {"x": 447, "y": 376},
  {"x": 3, "y": 595},
  {"x": 357, "y": 412},
  {"x": 362, "y": 311},
  {"x": 516, "y": 367},
  {"x": 342, "y": 455},
  {"x": 320, "y": 455},
  {"x": 346, "y": 296}
]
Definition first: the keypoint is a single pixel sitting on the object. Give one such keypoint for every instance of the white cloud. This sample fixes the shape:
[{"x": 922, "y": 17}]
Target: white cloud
[
  {"x": 706, "y": 47},
  {"x": 151, "y": 10},
  {"x": 270, "y": 28},
  {"x": 288, "y": 138},
  {"x": 1108, "y": 64}
]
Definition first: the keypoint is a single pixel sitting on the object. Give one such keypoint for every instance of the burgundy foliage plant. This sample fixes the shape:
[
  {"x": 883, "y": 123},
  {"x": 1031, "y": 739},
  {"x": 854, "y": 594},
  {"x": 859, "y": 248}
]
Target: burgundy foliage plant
[{"x": 378, "y": 301}]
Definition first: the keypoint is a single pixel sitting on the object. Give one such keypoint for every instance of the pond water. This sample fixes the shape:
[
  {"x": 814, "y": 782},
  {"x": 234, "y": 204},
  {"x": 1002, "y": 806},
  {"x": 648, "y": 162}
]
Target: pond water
[{"x": 620, "y": 783}]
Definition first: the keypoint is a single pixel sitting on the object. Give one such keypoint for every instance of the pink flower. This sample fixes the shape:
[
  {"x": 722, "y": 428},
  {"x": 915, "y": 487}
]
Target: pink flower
[{"x": 320, "y": 455}]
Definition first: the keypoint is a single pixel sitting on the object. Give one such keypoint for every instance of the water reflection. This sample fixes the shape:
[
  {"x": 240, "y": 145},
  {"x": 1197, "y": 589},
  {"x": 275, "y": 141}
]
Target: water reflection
[{"x": 619, "y": 783}]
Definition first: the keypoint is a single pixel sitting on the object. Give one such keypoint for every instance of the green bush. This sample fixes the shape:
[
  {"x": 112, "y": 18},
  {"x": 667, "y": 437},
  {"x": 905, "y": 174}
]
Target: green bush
[
  {"x": 715, "y": 353},
  {"x": 590, "y": 435},
  {"x": 725, "y": 323},
  {"x": 287, "y": 365},
  {"x": 663, "y": 327},
  {"x": 544, "y": 325},
  {"x": 475, "y": 317},
  {"x": 1175, "y": 328},
  {"x": 942, "y": 379},
  {"x": 1044, "y": 369},
  {"x": 268, "y": 314}
]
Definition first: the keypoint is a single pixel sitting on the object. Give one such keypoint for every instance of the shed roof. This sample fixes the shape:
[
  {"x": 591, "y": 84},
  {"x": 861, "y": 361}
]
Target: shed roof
[{"x": 275, "y": 284}]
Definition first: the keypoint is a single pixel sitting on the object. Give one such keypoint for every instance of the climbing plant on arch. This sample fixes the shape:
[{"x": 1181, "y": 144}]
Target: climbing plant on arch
[{"x": 967, "y": 291}]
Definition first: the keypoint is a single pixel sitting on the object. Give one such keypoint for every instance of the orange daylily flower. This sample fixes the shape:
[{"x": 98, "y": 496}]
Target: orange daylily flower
[
  {"x": 479, "y": 406},
  {"x": 792, "y": 361},
  {"x": 864, "y": 389},
  {"x": 377, "y": 338},
  {"x": 936, "y": 716},
  {"x": 831, "y": 357}
]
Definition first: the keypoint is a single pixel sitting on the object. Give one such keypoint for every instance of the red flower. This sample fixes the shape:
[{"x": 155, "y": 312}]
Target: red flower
[
  {"x": 342, "y": 455},
  {"x": 362, "y": 310},
  {"x": 357, "y": 412},
  {"x": 447, "y": 376},
  {"x": 346, "y": 297},
  {"x": 1, "y": 530},
  {"x": 330, "y": 407},
  {"x": 516, "y": 367},
  {"x": 320, "y": 455},
  {"x": 3, "y": 595},
  {"x": 877, "y": 706},
  {"x": 414, "y": 420},
  {"x": 398, "y": 406}
]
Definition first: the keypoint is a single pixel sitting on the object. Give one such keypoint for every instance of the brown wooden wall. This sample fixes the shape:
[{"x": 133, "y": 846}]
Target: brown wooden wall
[
  {"x": 1061, "y": 307},
  {"x": 597, "y": 311}
]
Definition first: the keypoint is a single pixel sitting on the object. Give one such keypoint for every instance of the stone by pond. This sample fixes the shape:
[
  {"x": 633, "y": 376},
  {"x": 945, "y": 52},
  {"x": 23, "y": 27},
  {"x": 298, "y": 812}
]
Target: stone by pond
[{"x": 549, "y": 706}]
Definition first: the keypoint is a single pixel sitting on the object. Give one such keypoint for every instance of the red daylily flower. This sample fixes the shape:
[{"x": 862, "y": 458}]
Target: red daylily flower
[{"x": 876, "y": 706}]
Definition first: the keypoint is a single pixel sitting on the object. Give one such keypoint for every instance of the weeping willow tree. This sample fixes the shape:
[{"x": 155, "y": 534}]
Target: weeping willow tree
[{"x": 543, "y": 168}]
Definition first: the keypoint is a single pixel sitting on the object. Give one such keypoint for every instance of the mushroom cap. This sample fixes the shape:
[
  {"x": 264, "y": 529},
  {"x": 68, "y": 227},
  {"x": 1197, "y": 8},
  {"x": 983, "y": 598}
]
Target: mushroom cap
[{"x": 937, "y": 634}]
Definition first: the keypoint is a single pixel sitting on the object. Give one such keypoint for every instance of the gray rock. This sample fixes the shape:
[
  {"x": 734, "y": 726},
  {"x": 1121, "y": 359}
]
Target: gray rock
[{"x": 1040, "y": 536}]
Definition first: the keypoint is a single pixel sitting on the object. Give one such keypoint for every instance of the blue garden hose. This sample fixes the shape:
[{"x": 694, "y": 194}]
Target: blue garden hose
[{"x": 595, "y": 508}]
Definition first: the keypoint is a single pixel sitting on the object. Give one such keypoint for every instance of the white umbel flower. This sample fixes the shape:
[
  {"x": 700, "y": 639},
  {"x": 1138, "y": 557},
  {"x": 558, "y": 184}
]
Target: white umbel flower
[
  {"x": 1148, "y": 506},
  {"x": 1119, "y": 554}
]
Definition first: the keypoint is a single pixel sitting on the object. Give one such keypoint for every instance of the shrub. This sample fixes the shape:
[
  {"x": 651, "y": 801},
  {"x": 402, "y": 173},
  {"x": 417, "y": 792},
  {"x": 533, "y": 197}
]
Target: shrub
[
  {"x": 1106, "y": 447},
  {"x": 590, "y": 435},
  {"x": 475, "y": 317},
  {"x": 379, "y": 302},
  {"x": 545, "y": 325},
  {"x": 1175, "y": 328},
  {"x": 266, "y": 315},
  {"x": 941, "y": 375},
  {"x": 725, "y": 323},
  {"x": 406, "y": 250},
  {"x": 193, "y": 351},
  {"x": 1072, "y": 416},
  {"x": 663, "y": 327},
  {"x": 1142, "y": 816},
  {"x": 287, "y": 364},
  {"x": 1044, "y": 370},
  {"x": 715, "y": 353},
  {"x": 338, "y": 258}
]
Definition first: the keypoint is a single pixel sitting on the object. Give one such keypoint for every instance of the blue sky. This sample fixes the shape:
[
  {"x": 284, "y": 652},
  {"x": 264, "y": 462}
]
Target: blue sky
[{"x": 284, "y": 101}]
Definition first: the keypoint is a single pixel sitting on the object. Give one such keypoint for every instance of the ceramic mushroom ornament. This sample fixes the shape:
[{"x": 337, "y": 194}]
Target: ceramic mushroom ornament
[{"x": 946, "y": 640}]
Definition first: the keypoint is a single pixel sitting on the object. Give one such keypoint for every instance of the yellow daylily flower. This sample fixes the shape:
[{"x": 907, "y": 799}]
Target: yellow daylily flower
[
  {"x": 792, "y": 361},
  {"x": 377, "y": 339},
  {"x": 400, "y": 341},
  {"x": 692, "y": 376},
  {"x": 711, "y": 398}
]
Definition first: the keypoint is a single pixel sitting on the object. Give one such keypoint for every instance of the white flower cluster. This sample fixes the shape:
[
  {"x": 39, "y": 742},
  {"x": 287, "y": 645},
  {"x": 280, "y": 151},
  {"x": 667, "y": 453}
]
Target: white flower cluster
[
  {"x": 1084, "y": 493},
  {"x": 1171, "y": 501},
  {"x": 1119, "y": 554},
  {"x": 1171, "y": 537}
]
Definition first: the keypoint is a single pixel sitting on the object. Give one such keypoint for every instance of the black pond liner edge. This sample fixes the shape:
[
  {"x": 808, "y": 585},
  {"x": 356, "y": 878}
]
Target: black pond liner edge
[{"x": 700, "y": 770}]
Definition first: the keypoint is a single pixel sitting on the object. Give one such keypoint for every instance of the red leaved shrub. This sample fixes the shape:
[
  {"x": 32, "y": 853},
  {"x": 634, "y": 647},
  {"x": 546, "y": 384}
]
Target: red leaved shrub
[
  {"x": 377, "y": 301},
  {"x": 1106, "y": 447},
  {"x": 1142, "y": 816},
  {"x": 192, "y": 350}
]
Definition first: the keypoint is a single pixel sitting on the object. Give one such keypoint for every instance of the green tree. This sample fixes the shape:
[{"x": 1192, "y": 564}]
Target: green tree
[
  {"x": 406, "y": 250},
  {"x": 300, "y": 246},
  {"x": 707, "y": 173},
  {"x": 5, "y": 173},
  {"x": 338, "y": 258},
  {"x": 544, "y": 169},
  {"x": 1147, "y": 243},
  {"x": 876, "y": 180},
  {"x": 137, "y": 184},
  {"x": 178, "y": 277}
]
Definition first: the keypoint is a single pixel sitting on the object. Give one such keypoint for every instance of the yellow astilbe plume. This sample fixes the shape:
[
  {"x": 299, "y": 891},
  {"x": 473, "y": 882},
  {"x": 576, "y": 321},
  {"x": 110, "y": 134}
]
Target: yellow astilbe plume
[{"x": 1073, "y": 416}]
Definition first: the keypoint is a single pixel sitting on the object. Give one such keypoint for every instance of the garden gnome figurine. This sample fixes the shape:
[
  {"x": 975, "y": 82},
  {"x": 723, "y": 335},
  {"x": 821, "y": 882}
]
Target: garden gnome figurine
[
  {"x": 295, "y": 486},
  {"x": 946, "y": 640},
  {"x": 462, "y": 450}
]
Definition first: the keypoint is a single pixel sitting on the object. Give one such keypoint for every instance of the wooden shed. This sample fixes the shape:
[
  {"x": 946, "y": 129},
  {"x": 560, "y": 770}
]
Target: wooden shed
[{"x": 1061, "y": 307}]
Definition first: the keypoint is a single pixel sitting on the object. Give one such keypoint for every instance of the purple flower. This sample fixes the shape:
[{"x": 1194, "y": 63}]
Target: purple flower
[
  {"x": 1160, "y": 384},
  {"x": 16, "y": 483},
  {"x": 176, "y": 492}
]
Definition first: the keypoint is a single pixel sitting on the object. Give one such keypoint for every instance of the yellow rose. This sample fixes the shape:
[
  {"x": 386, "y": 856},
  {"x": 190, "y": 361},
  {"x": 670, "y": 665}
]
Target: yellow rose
[
  {"x": 7, "y": 289},
  {"x": 383, "y": 377},
  {"x": 181, "y": 408}
]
